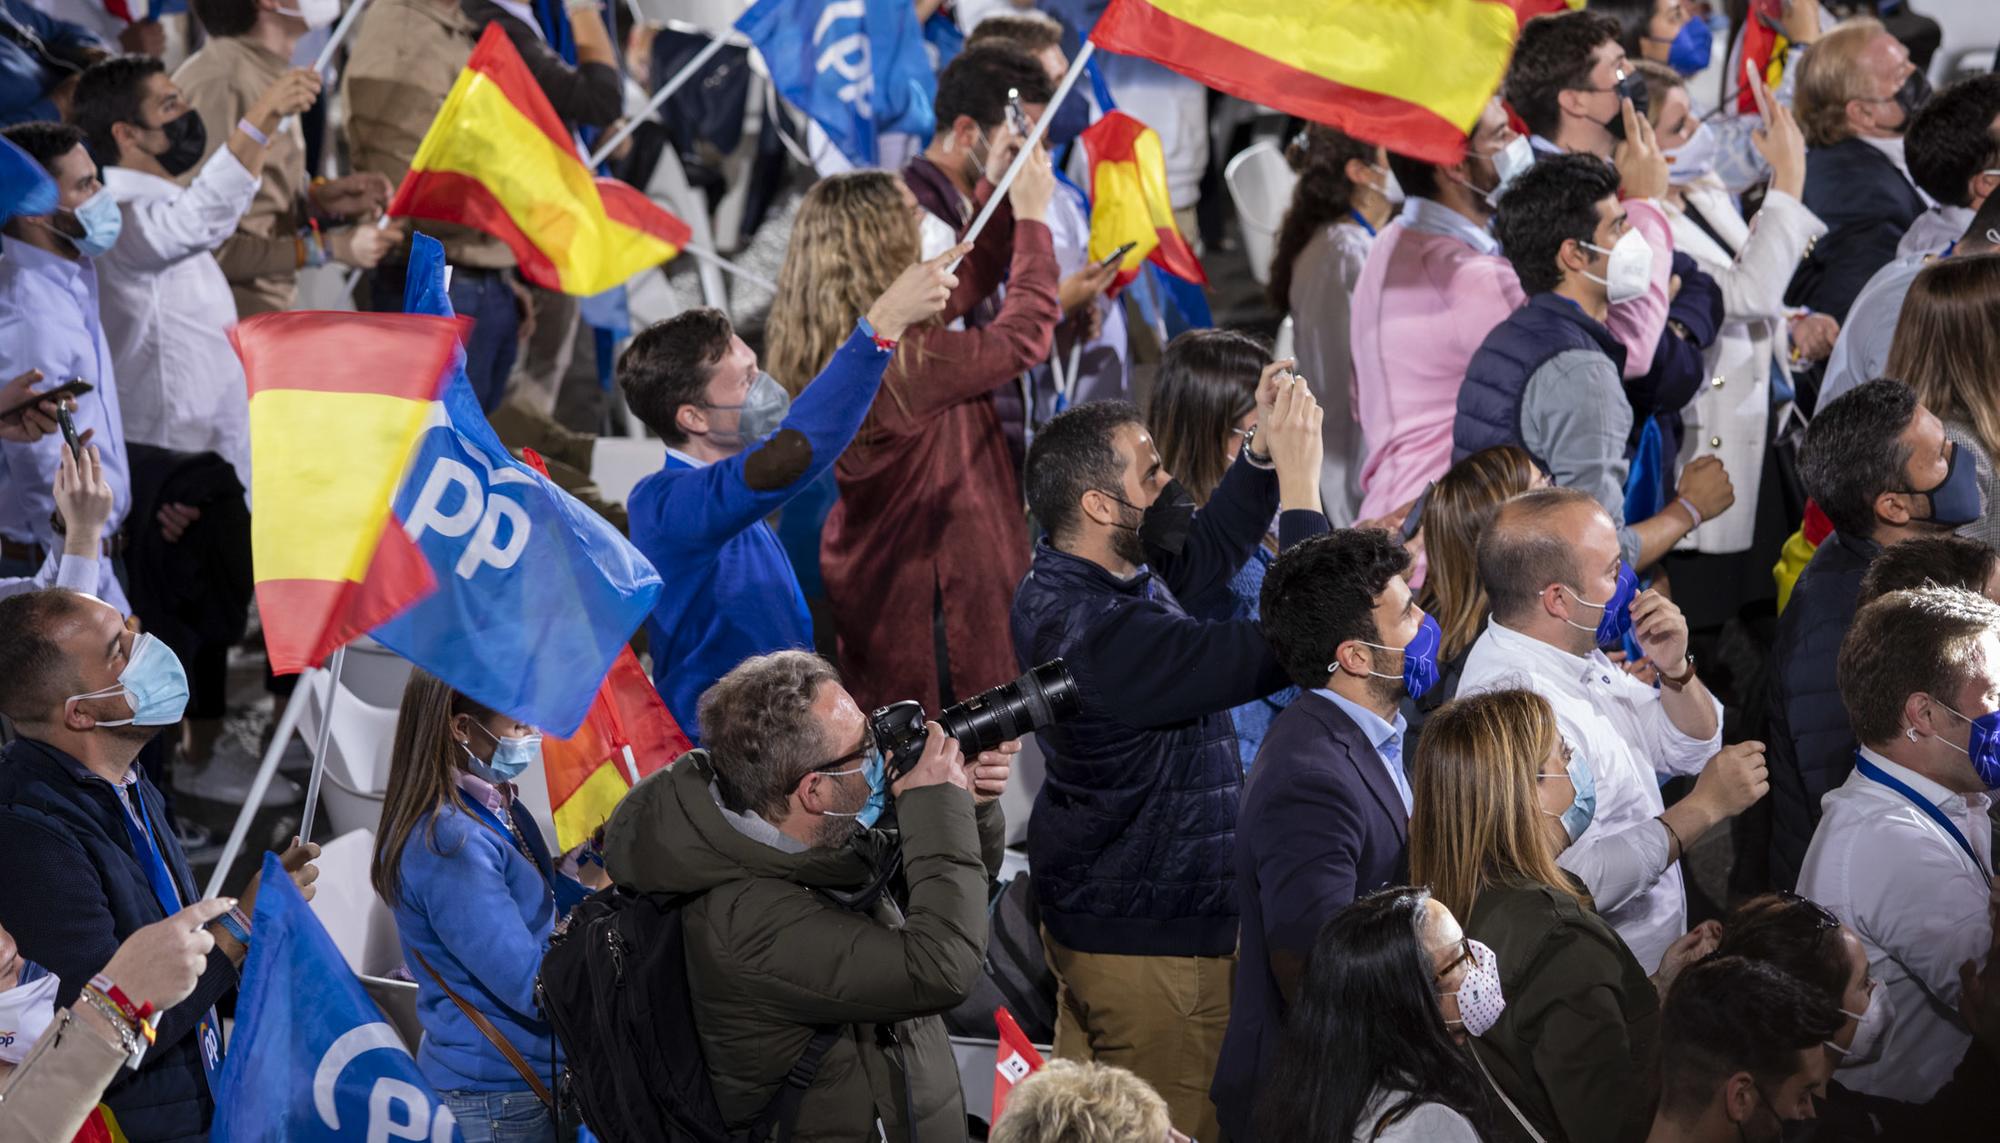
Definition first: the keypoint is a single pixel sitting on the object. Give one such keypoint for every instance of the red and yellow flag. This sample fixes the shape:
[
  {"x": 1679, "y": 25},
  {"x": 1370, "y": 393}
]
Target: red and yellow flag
[
  {"x": 336, "y": 403},
  {"x": 628, "y": 734},
  {"x": 1412, "y": 75},
  {"x": 1129, "y": 200},
  {"x": 499, "y": 159}
]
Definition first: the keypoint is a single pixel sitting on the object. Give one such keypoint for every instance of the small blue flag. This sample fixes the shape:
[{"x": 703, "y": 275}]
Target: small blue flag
[
  {"x": 312, "y": 1058},
  {"x": 536, "y": 593},
  {"x": 857, "y": 67},
  {"x": 25, "y": 188}
]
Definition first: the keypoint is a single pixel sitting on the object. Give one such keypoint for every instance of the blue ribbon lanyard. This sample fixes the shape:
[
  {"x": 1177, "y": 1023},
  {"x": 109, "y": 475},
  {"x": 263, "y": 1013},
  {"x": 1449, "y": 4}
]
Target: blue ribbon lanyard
[
  {"x": 493, "y": 821},
  {"x": 1361, "y": 220},
  {"x": 139, "y": 830},
  {"x": 1875, "y": 773}
]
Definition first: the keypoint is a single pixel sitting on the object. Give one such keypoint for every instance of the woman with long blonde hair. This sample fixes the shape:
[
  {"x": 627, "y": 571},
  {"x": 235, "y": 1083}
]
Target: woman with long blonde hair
[
  {"x": 469, "y": 877},
  {"x": 924, "y": 548},
  {"x": 1947, "y": 349},
  {"x": 1498, "y": 797},
  {"x": 1456, "y": 512}
]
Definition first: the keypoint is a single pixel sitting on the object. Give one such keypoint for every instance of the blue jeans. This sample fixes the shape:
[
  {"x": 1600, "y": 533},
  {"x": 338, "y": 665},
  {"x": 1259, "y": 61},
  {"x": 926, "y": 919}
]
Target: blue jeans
[
  {"x": 486, "y": 298},
  {"x": 500, "y": 1116}
]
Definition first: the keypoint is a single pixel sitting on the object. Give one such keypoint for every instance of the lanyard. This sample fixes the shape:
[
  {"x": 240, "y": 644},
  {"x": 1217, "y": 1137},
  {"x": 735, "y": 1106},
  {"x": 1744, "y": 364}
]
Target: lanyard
[
  {"x": 139, "y": 830},
  {"x": 1361, "y": 220},
  {"x": 506, "y": 830},
  {"x": 1876, "y": 774}
]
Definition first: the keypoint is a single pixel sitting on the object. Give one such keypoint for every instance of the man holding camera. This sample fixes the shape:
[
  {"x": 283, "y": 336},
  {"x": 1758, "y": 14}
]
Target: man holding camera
[
  {"x": 1133, "y": 835},
  {"x": 772, "y": 825}
]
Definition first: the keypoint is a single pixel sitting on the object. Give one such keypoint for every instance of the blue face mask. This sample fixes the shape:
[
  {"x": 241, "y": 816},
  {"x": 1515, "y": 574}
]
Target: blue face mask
[
  {"x": 511, "y": 756},
  {"x": 1583, "y": 806},
  {"x": 153, "y": 684},
  {"x": 1692, "y": 47},
  {"x": 101, "y": 224},
  {"x": 1955, "y": 501},
  {"x": 877, "y": 776},
  {"x": 1420, "y": 667},
  {"x": 1617, "y": 617},
  {"x": 1983, "y": 747}
]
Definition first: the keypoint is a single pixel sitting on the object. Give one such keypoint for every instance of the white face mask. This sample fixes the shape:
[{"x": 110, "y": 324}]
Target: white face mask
[
  {"x": 1630, "y": 270},
  {"x": 316, "y": 13},
  {"x": 1694, "y": 158},
  {"x": 1392, "y": 187},
  {"x": 25, "y": 1010},
  {"x": 1508, "y": 163},
  {"x": 1479, "y": 998},
  {"x": 1872, "y": 1024}
]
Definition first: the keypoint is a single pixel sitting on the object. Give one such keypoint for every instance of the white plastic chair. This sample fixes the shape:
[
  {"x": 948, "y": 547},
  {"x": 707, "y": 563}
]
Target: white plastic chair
[
  {"x": 363, "y": 928},
  {"x": 1260, "y": 184},
  {"x": 617, "y": 464}
]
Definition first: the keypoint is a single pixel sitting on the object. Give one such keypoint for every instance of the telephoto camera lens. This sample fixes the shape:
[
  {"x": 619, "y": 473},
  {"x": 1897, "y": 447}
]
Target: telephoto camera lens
[{"x": 1037, "y": 700}]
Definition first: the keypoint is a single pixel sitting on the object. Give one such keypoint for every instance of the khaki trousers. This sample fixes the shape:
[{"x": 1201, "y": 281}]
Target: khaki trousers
[{"x": 1160, "y": 1017}]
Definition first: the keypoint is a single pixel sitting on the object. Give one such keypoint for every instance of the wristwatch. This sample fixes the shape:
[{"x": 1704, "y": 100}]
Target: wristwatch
[
  {"x": 1250, "y": 453},
  {"x": 1676, "y": 682}
]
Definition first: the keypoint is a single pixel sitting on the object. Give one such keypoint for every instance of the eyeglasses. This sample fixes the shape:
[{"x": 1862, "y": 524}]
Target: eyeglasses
[
  {"x": 1821, "y": 915},
  {"x": 859, "y": 753},
  {"x": 1464, "y": 957},
  {"x": 1569, "y": 756}
]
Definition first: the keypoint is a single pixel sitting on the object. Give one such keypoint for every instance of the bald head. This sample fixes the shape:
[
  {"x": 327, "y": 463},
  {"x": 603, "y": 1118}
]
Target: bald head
[
  {"x": 37, "y": 672},
  {"x": 1532, "y": 543}
]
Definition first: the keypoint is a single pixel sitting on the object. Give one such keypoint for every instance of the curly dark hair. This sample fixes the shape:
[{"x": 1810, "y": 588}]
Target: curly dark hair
[
  {"x": 1551, "y": 203},
  {"x": 1951, "y": 140},
  {"x": 1321, "y": 593},
  {"x": 1852, "y": 453},
  {"x": 1323, "y": 194},
  {"x": 1552, "y": 56}
]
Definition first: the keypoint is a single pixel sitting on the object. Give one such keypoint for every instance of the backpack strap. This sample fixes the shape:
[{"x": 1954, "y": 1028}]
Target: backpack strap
[
  {"x": 781, "y": 1115},
  {"x": 493, "y": 1035}
]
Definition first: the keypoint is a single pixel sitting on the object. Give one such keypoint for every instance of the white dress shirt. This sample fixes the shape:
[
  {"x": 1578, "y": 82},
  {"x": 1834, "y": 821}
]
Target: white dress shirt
[
  {"x": 1618, "y": 725},
  {"x": 49, "y": 321},
  {"x": 167, "y": 309},
  {"x": 1918, "y": 902}
]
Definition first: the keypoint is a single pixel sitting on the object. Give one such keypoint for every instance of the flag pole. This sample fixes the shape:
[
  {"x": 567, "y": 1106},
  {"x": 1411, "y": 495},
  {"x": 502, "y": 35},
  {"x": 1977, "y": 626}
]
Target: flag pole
[
  {"x": 1034, "y": 137},
  {"x": 665, "y": 93},
  {"x": 282, "y": 737},
  {"x": 340, "y": 31},
  {"x": 325, "y": 738}
]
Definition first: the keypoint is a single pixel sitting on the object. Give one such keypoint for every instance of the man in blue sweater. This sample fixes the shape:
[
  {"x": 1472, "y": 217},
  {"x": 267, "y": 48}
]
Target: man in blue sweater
[
  {"x": 739, "y": 449},
  {"x": 1133, "y": 833}
]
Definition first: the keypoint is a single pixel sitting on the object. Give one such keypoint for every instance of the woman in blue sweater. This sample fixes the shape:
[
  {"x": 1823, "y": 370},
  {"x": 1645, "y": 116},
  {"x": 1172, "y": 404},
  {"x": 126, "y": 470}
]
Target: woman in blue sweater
[
  {"x": 474, "y": 891},
  {"x": 1203, "y": 407}
]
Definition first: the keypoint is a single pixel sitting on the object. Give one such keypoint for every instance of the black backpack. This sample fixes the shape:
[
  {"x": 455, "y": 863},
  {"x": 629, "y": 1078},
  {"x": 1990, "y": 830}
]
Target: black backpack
[{"x": 614, "y": 988}]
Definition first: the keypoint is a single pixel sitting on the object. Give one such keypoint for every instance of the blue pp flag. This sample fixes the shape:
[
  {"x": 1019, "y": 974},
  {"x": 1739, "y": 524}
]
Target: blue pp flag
[
  {"x": 857, "y": 67},
  {"x": 25, "y": 188},
  {"x": 536, "y": 593},
  {"x": 312, "y": 1058}
]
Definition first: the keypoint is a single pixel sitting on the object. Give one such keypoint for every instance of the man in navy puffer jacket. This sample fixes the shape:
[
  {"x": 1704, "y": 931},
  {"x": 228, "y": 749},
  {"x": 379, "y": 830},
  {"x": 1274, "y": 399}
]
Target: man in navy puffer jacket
[{"x": 1133, "y": 834}]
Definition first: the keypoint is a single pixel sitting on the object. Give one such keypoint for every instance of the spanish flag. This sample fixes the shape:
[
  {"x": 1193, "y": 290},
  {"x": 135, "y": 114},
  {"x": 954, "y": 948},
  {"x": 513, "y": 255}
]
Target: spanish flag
[
  {"x": 1412, "y": 75},
  {"x": 498, "y": 158},
  {"x": 1129, "y": 201},
  {"x": 628, "y": 734},
  {"x": 337, "y": 400}
]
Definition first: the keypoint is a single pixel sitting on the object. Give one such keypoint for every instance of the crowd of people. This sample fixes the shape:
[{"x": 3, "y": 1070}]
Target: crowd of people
[{"x": 1558, "y": 701}]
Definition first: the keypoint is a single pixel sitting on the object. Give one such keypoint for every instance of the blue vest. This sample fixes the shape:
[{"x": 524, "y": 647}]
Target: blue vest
[
  {"x": 1489, "y": 403},
  {"x": 1133, "y": 836}
]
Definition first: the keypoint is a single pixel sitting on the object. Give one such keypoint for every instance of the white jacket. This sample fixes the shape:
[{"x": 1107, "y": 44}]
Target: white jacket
[{"x": 1728, "y": 419}]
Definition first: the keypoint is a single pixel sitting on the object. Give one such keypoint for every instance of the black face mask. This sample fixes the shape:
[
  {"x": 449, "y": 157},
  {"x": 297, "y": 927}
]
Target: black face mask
[
  {"x": 1911, "y": 97},
  {"x": 187, "y": 138},
  {"x": 1165, "y": 524},
  {"x": 1632, "y": 87}
]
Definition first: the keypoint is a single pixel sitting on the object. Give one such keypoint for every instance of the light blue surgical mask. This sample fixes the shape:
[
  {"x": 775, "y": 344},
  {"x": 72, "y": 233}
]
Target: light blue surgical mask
[
  {"x": 152, "y": 683},
  {"x": 101, "y": 224},
  {"x": 511, "y": 756},
  {"x": 877, "y": 776},
  {"x": 1583, "y": 805}
]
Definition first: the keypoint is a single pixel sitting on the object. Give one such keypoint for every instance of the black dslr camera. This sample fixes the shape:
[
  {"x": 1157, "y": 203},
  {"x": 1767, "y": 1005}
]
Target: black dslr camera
[{"x": 1035, "y": 701}]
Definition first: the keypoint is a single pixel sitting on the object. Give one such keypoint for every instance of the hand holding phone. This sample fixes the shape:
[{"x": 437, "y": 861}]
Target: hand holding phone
[
  {"x": 1017, "y": 116},
  {"x": 67, "y": 424}
]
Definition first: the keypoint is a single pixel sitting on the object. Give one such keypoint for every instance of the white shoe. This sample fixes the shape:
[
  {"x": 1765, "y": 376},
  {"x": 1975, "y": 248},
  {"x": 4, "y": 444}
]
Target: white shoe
[{"x": 228, "y": 775}]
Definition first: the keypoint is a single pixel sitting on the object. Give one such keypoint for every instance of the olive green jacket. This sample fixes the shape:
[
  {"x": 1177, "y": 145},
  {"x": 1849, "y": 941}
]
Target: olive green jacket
[
  {"x": 770, "y": 956},
  {"x": 1577, "y": 1045}
]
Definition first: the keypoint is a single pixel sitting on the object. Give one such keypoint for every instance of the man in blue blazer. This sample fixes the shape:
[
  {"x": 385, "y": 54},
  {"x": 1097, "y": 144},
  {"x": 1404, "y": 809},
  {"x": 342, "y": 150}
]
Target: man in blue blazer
[{"x": 1325, "y": 812}]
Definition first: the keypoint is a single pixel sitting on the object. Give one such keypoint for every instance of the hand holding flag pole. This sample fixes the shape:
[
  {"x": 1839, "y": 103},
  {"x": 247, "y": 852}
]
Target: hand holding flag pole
[{"x": 1028, "y": 145}]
